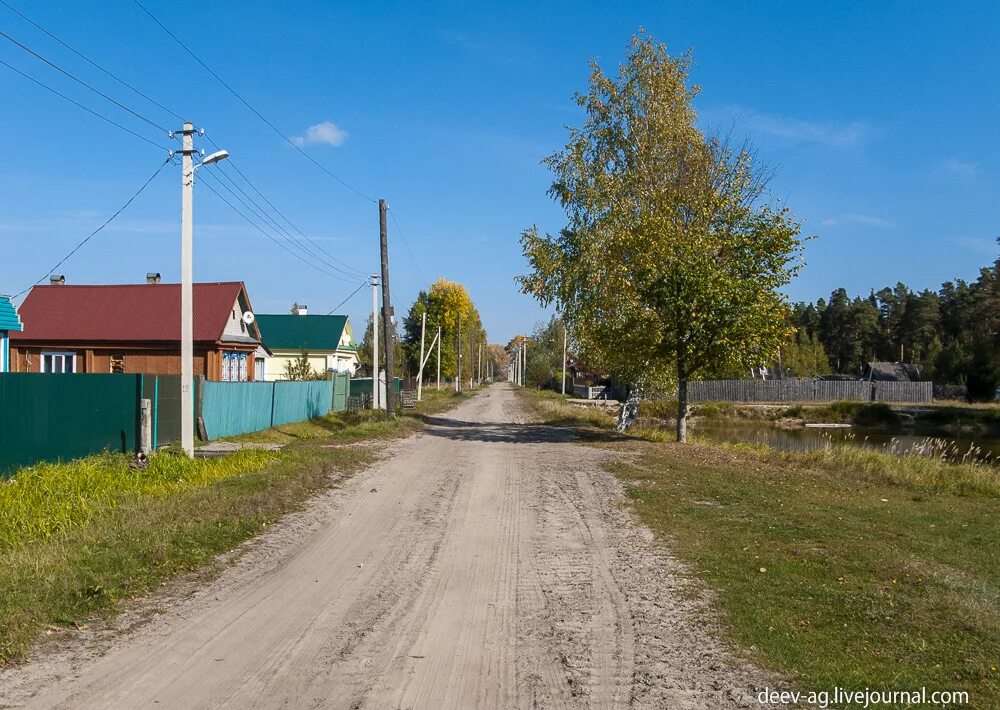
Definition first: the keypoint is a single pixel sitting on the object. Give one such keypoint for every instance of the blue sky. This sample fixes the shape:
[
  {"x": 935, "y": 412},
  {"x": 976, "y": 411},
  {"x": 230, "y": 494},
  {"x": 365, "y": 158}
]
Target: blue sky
[{"x": 881, "y": 120}]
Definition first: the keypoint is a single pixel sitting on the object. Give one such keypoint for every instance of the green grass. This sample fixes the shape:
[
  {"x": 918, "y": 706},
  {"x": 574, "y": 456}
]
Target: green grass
[
  {"x": 846, "y": 567},
  {"x": 78, "y": 538}
]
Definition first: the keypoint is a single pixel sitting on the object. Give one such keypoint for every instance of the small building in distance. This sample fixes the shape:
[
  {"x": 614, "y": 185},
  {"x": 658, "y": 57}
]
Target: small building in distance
[
  {"x": 135, "y": 328},
  {"x": 327, "y": 342},
  {"x": 9, "y": 322},
  {"x": 891, "y": 372}
]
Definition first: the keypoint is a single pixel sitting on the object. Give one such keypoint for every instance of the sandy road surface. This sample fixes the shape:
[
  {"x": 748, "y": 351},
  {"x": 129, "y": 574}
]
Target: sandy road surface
[{"x": 484, "y": 563}]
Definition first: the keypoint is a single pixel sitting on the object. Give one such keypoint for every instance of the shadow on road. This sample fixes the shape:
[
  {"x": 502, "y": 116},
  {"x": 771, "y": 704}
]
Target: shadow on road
[{"x": 509, "y": 432}]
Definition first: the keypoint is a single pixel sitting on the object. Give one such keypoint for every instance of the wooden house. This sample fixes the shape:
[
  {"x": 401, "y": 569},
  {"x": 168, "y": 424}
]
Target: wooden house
[
  {"x": 136, "y": 328},
  {"x": 327, "y": 341}
]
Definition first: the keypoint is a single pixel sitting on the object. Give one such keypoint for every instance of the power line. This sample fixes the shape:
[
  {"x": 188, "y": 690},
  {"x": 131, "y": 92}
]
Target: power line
[
  {"x": 90, "y": 61},
  {"x": 420, "y": 271},
  {"x": 251, "y": 204},
  {"x": 266, "y": 233},
  {"x": 246, "y": 103},
  {"x": 92, "y": 234},
  {"x": 79, "y": 105},
  {"x": 363, "y": 284},
  {"x": 282, "y": 214},
  {"x": 255, "y": 210},
  {"x": 80, "y": 81}
]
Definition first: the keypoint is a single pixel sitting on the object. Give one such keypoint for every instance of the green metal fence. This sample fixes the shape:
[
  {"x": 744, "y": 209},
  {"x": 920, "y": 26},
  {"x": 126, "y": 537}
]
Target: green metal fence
[
  {"x": 232, "y": 408},
  {"x": 53, "y": 417}
]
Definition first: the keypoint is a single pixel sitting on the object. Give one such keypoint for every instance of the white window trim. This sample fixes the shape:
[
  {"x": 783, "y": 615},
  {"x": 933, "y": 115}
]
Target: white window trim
[{"x": 62, "y": 353}]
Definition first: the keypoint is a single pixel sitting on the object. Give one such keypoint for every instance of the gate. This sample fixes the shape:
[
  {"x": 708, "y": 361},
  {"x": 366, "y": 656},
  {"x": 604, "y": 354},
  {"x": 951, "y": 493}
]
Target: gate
[{"x": 341, "y": 390}]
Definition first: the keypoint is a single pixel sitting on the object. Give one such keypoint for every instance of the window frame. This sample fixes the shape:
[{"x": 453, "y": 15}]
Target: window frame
[{"x": 64, "y": 355}]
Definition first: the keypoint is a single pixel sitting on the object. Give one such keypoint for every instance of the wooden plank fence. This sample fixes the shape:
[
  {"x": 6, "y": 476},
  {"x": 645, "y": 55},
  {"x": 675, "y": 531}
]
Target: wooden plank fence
[{"x": 808, "y": 391}]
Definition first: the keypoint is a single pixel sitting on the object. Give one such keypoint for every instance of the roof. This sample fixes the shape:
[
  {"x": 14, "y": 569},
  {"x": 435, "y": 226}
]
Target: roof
[
  {"x": 8, "y": 316},
  {"x": 309, "y": 333},
  {"x": 892, "y": 371},
  {"x": 125, "y": 312}
]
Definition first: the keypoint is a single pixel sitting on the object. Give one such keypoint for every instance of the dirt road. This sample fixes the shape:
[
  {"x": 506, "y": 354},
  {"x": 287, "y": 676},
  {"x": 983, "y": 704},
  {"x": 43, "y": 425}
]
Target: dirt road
[{"x": 484, "y": 563}]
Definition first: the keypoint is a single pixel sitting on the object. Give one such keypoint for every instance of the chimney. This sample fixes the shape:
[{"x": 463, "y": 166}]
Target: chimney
[
  {"x": 57, "y": 280},
  {"x": 152, "y": 277}
]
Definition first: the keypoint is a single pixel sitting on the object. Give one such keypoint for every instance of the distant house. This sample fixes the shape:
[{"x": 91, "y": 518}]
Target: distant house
[
  {"x": 327, "y": 341},
  {"x": 9, "y": 322},
  {"x": 135, "y": 328},
  {"x": 891, "y": 372}
]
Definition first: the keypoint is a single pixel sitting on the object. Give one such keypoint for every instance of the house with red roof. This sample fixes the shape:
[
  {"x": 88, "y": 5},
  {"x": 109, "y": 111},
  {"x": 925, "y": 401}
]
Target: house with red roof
[{"x": 135, "y": 328}]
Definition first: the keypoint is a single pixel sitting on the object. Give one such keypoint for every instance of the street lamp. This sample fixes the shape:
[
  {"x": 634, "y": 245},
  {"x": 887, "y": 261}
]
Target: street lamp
[{"x": 187, "y": 287}]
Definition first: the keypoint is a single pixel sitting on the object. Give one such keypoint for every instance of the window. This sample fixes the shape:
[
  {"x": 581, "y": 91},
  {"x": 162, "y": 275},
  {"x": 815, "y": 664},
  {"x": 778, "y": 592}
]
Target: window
[
  {"x": 58, "y": 362},
  {"x": 234, "y": 367},
  {"x": 117, "y": 363}
]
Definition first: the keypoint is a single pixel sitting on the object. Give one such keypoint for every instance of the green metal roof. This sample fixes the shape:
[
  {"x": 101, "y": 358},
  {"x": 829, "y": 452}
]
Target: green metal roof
[
  {"x": 309, "y": 333},
  {"x": 8, "y": 316}
]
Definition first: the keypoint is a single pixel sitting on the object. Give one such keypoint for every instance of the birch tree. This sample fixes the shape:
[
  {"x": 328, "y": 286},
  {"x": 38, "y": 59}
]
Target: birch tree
[{"x": 672, "y": 257}]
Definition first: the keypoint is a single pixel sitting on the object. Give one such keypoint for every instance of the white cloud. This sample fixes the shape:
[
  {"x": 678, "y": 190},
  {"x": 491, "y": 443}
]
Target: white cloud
[
  {"x": 962, "y": 167},
  {"x": 868, "y": 220},
  {"x": 978, "y": 244},
  {"x": 865, "y": 220},
  {"x": 326, "y": 133},
  {"x": 835, "y": 134}
]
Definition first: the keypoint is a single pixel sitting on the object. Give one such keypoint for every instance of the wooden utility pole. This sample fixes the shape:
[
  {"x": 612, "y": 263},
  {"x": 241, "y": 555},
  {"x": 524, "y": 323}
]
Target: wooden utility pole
[{"x": 387, "y": 340}]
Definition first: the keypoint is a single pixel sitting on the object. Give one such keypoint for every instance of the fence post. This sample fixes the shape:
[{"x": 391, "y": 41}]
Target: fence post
[
  {"x": 274, "y": 387},
  {"x": 145, "y": 426}
]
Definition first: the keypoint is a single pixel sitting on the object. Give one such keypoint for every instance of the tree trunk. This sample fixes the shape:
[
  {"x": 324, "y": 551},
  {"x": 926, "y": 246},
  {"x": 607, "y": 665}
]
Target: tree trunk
[{"x": 682, "y": 409}]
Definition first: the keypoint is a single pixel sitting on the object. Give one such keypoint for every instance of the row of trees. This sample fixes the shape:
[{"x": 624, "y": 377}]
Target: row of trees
[
  {"x": 545, "y": 353},
  {"x": 953, "y": 334},
  {"x": 446, "y": 304}
]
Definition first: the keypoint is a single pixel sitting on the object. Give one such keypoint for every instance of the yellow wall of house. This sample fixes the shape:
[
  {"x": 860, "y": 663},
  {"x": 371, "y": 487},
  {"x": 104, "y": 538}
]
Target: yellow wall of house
[{"x": 274, "y": 366}]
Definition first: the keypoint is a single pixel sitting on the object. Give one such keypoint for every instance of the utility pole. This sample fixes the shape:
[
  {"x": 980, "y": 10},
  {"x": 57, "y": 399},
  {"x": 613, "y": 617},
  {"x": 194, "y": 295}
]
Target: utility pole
[
  {"x": 420, "y": 374},
  {"x": 524, "y": 361},
  {"x": 439, "y": 357},
  {"x": 479, "y": 368},
  {"x": 383, "y": 234},
  {"x": 375, "y": 368},
  {"x": 458, "y": 378},
  {"x": 565, "y": 338},
  {"x": 187, "y": 289},
  {"x": 472, "y": 363}
]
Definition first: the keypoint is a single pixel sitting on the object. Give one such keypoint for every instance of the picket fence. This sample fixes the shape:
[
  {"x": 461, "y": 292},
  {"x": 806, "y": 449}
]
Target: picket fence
[{"x": 808, "y": 391}]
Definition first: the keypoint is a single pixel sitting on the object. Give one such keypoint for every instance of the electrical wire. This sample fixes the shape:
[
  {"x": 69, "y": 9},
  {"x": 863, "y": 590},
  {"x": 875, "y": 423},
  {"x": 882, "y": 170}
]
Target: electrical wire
[
  {"x": 330, "y": 312},
  {"x": 266, "y": 233},
  {"x": 281, "y": 214},
  {"x": 254, "y": 210},
  {"x": 246, "y": 103},
  {"x": 90, "y": 61},
  {"x": 406, "y": 244},
  {"x": 80, "y": 81},
  {"x": 109, "y": 220},
  {"x": 85, "y": 108},
  {"x": 251, "y": 204}
]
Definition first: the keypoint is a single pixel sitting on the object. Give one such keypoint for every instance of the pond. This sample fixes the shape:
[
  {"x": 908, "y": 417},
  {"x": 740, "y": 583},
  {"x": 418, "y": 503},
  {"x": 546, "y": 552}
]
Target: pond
[{"x": 969, "y": 447}]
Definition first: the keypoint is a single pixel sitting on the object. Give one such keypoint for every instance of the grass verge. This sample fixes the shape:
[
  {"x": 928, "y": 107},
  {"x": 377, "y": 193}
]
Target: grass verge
[
  {"x": 843, "y": 568},
  {"x": 78, "y": 538}
]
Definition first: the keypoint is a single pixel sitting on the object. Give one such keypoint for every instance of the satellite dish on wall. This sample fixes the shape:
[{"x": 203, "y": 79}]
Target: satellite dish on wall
[{"x": 248, "y": 318}]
